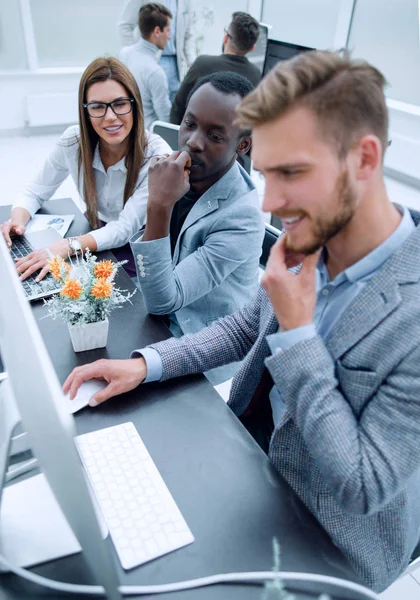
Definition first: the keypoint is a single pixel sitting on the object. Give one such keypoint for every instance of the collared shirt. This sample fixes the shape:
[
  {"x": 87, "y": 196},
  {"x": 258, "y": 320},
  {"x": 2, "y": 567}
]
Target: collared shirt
[
  {"x": 334, "y": 297},
  {"x": 142, "y": 60},
  {"x": 122, "y": 221},
  {"x": 170, "y": 48}
]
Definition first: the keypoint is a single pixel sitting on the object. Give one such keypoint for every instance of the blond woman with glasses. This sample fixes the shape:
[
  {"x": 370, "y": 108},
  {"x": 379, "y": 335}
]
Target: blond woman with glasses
[{"x": 108, "y": 156}]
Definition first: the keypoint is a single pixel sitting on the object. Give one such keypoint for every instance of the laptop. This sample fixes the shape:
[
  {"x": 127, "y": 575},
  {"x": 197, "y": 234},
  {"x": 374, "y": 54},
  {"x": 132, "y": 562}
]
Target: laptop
[{"x": 25, "y": 244}]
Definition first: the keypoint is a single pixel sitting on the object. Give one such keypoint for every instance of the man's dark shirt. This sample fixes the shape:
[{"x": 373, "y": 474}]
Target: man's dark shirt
[
  {"x": 205, "y": 65},
  {"x": 179, "y": 213}
]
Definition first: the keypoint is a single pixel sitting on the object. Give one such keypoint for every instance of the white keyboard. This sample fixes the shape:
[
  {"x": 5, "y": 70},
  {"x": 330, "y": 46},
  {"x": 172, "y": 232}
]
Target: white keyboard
[{"x": 141, "y": 514}]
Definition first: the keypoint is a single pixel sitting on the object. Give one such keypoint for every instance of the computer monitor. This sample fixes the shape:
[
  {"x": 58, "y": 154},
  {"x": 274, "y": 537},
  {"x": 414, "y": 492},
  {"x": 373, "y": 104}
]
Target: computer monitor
[
  {"x": 277, "y": 51},
  {"x": 32, "y": 393},
  {"x": 257, "y": 56}
]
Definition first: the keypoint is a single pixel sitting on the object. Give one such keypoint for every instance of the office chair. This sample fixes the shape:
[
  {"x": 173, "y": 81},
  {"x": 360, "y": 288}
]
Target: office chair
[
  {"x": 245, "y": 161},
  {"x": 415, "y": 562},
  {"x": 270, "y": 238},
  {"x": 167, "y": 131}
]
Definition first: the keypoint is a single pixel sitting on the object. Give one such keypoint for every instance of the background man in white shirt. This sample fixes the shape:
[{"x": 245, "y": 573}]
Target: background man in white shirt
[
  {"x": 180, "y": 52},
  {"x": 142, "y": 59}
]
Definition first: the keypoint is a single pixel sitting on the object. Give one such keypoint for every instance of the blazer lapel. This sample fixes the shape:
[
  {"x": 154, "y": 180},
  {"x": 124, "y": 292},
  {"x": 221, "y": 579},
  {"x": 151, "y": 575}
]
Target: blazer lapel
[
  {"x": 201, "y": 208},
  {"x": 369, "y": 308},
  {"x": 208, "y": 203},
  {"x": 378, "y": 299}
]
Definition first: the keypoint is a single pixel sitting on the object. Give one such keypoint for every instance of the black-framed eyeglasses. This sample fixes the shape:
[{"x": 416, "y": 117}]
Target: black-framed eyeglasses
[
  {"x": 227, "y": 33},
  {"x": 121, "y": 106}
]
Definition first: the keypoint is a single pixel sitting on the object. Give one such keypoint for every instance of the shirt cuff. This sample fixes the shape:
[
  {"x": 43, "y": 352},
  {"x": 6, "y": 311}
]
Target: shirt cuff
[
  {"x": 103, "y": 237},
  {"x": 29, "y": 204},
  {"x": 283, "y": 340},
  {"x": 154, "y": 366},
  {"x": 154, "y": 247}
]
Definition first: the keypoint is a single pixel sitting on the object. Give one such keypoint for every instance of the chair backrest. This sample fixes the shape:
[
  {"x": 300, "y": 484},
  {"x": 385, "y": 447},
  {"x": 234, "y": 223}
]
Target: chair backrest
[
  {"x": 245, "y": 161},
  {"x": 167, "y": 131},
  {"x": 270, "y": 238},
  {"x": 414, "y": 563},
  {"x": 276, "y": 222}
]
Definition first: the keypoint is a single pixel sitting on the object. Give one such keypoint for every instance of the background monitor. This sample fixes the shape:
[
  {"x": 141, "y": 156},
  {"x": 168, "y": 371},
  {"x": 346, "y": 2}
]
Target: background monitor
[
  {"x": 33, "y": 394},
  {"x": 257, "y": 56},
  {"x": 277, "y": 51}
]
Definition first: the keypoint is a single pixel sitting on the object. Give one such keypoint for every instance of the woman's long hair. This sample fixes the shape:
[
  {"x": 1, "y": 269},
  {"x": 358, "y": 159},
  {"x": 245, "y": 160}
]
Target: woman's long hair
[{"x": 102, "y": 69}]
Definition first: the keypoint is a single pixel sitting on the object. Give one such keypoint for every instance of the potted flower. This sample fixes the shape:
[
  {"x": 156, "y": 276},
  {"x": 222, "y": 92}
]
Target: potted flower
[{"x": 86, "y": 299}]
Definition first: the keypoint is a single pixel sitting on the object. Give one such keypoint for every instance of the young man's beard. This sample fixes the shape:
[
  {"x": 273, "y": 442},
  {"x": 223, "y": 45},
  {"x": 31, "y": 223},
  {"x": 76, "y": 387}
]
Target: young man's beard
[{"x": 323, "y": 228}]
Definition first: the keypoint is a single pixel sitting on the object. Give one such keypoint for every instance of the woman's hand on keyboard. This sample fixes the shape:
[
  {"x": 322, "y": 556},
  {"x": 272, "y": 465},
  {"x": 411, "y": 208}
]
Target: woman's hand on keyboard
[
  {"x": 39, "y": 259},
  {"x": 9, "y": 228},
  {"x": 122, "y": 376}
]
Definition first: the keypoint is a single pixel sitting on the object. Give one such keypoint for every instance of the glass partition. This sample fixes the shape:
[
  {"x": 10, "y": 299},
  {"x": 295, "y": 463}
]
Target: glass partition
[
  {"x": 386, "y": 33},
  {"x": 69, "y": 34},
  {"x": 12, "y": 46}
]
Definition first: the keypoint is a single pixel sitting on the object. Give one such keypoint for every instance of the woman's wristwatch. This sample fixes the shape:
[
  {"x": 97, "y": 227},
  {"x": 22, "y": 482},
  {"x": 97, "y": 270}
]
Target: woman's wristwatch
[{"x": 75, "y": 247}]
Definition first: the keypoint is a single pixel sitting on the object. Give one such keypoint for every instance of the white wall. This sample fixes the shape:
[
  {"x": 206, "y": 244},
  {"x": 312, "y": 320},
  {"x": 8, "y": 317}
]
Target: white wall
[
  {"x": 305, "y": 22},
  {"x": 404, "y": 132},
  {"x": 384, "y": 32},
  {"x": 15, "y": 85}
]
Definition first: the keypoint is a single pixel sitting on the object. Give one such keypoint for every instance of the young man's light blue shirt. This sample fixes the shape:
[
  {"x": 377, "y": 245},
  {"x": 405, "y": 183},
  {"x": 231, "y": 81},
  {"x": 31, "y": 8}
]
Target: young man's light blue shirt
[{"x": 334, "y": 297}]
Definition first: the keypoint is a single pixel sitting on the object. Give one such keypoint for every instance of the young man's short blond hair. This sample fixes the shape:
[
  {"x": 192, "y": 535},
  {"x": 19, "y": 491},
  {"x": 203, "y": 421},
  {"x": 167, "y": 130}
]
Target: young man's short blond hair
[{"x": 347, "y": 96}]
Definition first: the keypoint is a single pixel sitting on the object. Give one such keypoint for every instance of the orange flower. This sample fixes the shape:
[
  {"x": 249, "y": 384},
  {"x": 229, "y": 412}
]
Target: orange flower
[
  {"x": 55, "y": 265},
  {"x": 102, "y": 288},
  {"x": 104, "y": 269},
  {"x": 72, "y": 289}
]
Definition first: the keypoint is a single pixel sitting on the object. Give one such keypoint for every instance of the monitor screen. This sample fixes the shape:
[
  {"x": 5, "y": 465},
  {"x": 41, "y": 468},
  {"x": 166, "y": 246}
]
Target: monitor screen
[
  {"x": 257, "y": 56},
  {"x": 33, "y": 392},
  {"x": 277, "y": 51}
]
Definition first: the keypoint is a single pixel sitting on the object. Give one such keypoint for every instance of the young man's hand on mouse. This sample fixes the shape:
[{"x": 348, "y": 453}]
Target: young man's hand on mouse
[{"x": 122, "y": 376}]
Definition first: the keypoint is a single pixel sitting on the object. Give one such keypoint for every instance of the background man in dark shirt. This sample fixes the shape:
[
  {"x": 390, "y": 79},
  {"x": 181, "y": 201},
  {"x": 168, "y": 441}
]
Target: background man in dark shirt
[{"x": 240, "y": 39}]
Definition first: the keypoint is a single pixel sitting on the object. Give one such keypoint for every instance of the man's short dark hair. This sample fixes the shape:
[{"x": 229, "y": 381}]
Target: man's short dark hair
[
  {"x": 153, "y": 15},
  {"x": 243, "y": 31},
  {"x": 226, "y": 82}
]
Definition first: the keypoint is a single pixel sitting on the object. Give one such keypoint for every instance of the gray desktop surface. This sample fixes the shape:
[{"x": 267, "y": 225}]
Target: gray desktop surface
[{"x": 230, "y": 495}]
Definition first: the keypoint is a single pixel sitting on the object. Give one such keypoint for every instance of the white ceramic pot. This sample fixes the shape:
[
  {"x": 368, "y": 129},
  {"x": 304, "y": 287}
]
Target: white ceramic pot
[{"x": 89, "y": 336}]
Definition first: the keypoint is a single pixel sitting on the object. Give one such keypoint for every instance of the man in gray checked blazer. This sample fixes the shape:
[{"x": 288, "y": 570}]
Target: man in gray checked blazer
[{"x": 329, "y": 382}]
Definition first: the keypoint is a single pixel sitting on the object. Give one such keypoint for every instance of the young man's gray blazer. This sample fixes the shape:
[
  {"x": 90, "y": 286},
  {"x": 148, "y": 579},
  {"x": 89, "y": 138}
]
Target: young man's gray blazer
[
  {"x": 214, "y": 269},
  {"x": 349, "y": 442}
]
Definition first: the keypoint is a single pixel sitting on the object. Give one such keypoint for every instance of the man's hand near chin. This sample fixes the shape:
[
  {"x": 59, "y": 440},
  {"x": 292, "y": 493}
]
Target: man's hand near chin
[
  {"x": 168, "y": 180},
  {"x": 122, "y": 376},
  {"x": 293, "y": 297}
]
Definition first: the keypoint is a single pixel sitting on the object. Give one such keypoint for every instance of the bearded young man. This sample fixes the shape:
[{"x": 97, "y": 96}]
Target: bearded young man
[{"x": 329, "y": 382}]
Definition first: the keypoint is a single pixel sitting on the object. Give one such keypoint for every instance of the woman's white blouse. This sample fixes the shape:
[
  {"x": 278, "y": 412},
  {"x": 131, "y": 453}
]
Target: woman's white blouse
[{"x": 121, "y": 221}]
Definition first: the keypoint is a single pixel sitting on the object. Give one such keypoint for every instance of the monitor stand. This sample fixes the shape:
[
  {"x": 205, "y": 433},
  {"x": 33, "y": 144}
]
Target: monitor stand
[{"x": 33, "y": 528}]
